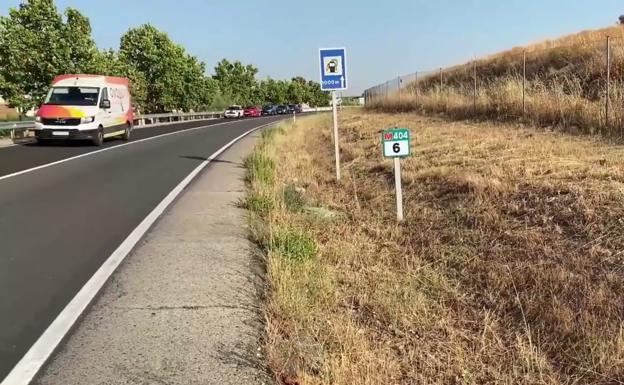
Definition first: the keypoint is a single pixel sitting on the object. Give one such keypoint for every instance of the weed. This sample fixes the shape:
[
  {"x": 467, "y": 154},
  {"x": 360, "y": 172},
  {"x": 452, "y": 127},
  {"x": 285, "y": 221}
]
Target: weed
[
  {"x": 292, "y": 244},
  {"x": 259, "y": 203},
  {"x": 293, "y": 198},
  {"x": 260, "y": 168}
]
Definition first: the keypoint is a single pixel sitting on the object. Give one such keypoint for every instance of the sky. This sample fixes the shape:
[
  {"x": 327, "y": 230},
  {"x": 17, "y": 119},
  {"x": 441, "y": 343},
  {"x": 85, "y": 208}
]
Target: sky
[{"x": 384, "y": 39}]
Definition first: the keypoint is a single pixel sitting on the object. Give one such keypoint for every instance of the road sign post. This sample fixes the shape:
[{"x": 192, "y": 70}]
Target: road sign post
[
  {"x": 398, "y": 188},
  {"x": 333, "y": 66},
  {"x": 395, "y": 144},
  {"x": 336, "y": 143}
]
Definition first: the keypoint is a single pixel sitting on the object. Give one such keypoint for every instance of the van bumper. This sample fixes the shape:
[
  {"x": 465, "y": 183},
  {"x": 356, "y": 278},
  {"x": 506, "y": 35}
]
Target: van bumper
[{"x": 65, "y": 134}]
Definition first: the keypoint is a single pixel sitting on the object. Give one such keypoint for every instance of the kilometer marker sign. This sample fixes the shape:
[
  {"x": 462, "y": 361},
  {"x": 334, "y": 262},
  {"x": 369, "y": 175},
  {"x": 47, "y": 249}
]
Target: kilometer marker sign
[{"x": 396, "y": 144}]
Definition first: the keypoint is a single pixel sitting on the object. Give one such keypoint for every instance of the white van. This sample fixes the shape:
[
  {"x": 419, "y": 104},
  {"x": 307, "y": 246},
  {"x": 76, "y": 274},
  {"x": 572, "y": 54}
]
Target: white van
[{"x": 91, "y": 107}]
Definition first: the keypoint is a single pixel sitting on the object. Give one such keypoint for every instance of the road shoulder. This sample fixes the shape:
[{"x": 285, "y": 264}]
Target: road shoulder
[{"x": 183, "y": 308}]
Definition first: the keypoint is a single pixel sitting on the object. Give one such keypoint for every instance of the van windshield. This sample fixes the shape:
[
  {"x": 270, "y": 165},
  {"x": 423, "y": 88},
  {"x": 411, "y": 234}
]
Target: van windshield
[{"x": 73, "y": 96}]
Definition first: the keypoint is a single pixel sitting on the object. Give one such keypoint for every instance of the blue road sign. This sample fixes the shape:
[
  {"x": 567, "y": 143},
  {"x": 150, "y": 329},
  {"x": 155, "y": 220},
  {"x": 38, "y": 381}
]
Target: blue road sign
[{"x": 333, "y": 69}]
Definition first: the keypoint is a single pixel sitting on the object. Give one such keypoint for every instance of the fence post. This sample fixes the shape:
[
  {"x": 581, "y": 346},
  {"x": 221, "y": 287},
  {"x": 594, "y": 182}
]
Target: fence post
[
  {"x": 440, "y": 79},
  {"x": 524, "y": 83},
  {"x": 416, "y": 86},
  {"x": 608, "y": 81},
  {"x": 474, "y": 89}
]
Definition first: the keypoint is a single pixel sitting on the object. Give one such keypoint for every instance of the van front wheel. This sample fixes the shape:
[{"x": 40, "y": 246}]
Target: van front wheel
[
  {"x": 126, "y": 135},
  {"x": 98, "y": 138}
]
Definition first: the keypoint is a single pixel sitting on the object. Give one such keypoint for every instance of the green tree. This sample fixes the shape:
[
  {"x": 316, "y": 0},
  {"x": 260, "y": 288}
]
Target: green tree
[
  {"x": 275, "y": 91},
  {"x": 298, "y": 90},
  {"x": 173, "y": 79},
  {"x": 36, "y": 44},
  {"x": 151, "y": 53},
  {"x": 109, "y": 63},
  {"x": 32, "y": 52},
  {"x": 317, "y": 97},
  {"x": 236, "y": 81},
  {"x": 82, "y": 50}
]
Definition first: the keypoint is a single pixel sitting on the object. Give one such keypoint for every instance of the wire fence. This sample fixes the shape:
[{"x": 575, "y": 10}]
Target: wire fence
[{"x": 577, "y": 86}]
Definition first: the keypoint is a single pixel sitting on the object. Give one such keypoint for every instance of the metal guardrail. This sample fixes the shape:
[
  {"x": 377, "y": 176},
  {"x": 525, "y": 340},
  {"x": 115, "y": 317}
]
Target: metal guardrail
[
  {"x": 317, "y": 109},
  {"x": 15, "y": 125},
  {"x": 19, "y": 129},
  {"x": 151, "y": 119}
]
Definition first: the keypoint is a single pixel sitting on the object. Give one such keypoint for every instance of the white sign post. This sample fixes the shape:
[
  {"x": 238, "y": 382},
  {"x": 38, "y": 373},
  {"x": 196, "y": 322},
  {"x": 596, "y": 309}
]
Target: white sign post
[
  {"x": 336, "y": 142},
  {"x": 396, "y": 144},
  {"x": 333, "y": 65}
]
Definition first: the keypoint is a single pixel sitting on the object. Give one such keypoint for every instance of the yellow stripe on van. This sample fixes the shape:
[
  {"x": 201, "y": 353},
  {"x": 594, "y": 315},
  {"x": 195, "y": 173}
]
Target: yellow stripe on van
[{"x": 116, "y": 133}]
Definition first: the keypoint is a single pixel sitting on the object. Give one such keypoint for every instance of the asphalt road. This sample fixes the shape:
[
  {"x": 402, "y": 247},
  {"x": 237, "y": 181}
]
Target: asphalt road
[{"x": 58, "y": 224}]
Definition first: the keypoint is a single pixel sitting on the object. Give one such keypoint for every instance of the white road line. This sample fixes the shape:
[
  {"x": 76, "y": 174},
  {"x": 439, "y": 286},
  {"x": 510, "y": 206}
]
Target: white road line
[
  {"x": 107, "y": 149},
  {"x": 38, "y": 354}
]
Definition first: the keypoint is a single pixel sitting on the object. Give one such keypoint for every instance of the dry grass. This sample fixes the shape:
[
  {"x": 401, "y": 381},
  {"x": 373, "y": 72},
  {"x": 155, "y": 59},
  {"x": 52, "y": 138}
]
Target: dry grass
[
  {"x": 507, "y": 270},
  {"x": 565, "y": 86}
]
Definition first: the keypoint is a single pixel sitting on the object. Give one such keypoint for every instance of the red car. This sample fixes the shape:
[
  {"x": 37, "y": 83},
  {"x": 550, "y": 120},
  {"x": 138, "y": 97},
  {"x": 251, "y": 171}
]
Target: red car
[{"x": 252, "y": 112}]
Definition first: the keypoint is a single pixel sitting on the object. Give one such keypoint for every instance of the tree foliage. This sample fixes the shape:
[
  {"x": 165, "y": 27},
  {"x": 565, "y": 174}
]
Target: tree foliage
[{"x": 37, "y": 43}]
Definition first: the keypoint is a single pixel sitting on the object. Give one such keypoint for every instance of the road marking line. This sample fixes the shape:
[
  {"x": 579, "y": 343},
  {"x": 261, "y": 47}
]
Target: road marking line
[
  {"x": 107, "y": 149},
  {"x": 38, "y": 354}
]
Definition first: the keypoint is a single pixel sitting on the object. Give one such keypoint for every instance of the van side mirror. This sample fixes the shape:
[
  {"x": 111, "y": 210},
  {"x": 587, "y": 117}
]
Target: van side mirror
[{"x": 105, "y": 104}]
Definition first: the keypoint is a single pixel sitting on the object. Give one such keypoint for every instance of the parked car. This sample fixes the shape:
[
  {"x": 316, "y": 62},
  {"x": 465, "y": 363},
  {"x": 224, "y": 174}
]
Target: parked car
[
  {"x": 90, "y": 107},
  {"x": 234, "y": 112},
  {"x": 252, "y": 112},
  {"x": 282, "y": 109},
  {"x": 298, "y": 108},
  {"x": 269, "y": 109}
]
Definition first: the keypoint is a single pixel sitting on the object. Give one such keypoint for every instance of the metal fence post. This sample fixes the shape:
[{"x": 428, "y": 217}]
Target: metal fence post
[
  {"x": 474, "y": 89},
  {"x": 440, "y": 79},
  {"x": 524, "y": 83},
  {"x": 416, "y": 87},
  {"x": 608, "y": 81}
]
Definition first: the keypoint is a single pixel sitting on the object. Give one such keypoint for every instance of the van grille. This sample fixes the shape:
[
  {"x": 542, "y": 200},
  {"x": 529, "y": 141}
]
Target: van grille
[{"x": 61, "y": 121}]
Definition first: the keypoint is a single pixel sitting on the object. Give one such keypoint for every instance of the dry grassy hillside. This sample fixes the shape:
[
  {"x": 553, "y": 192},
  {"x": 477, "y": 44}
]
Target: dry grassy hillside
[
  {"x": 507, "y": 270},
  {"x": 565, "y": 85}
]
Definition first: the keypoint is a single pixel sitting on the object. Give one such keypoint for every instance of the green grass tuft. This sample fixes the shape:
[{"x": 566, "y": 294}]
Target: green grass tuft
[
  {"x": 259, "y": 203},
  {"x": 293, "y": 244},
  {"x": 260, "y": 168}
]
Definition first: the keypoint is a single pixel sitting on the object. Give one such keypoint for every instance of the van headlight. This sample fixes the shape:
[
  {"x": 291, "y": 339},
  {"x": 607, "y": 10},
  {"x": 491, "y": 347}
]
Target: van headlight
[
  {"x": 38, "y": 119},
  {"x": 88, "y": 119}
]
